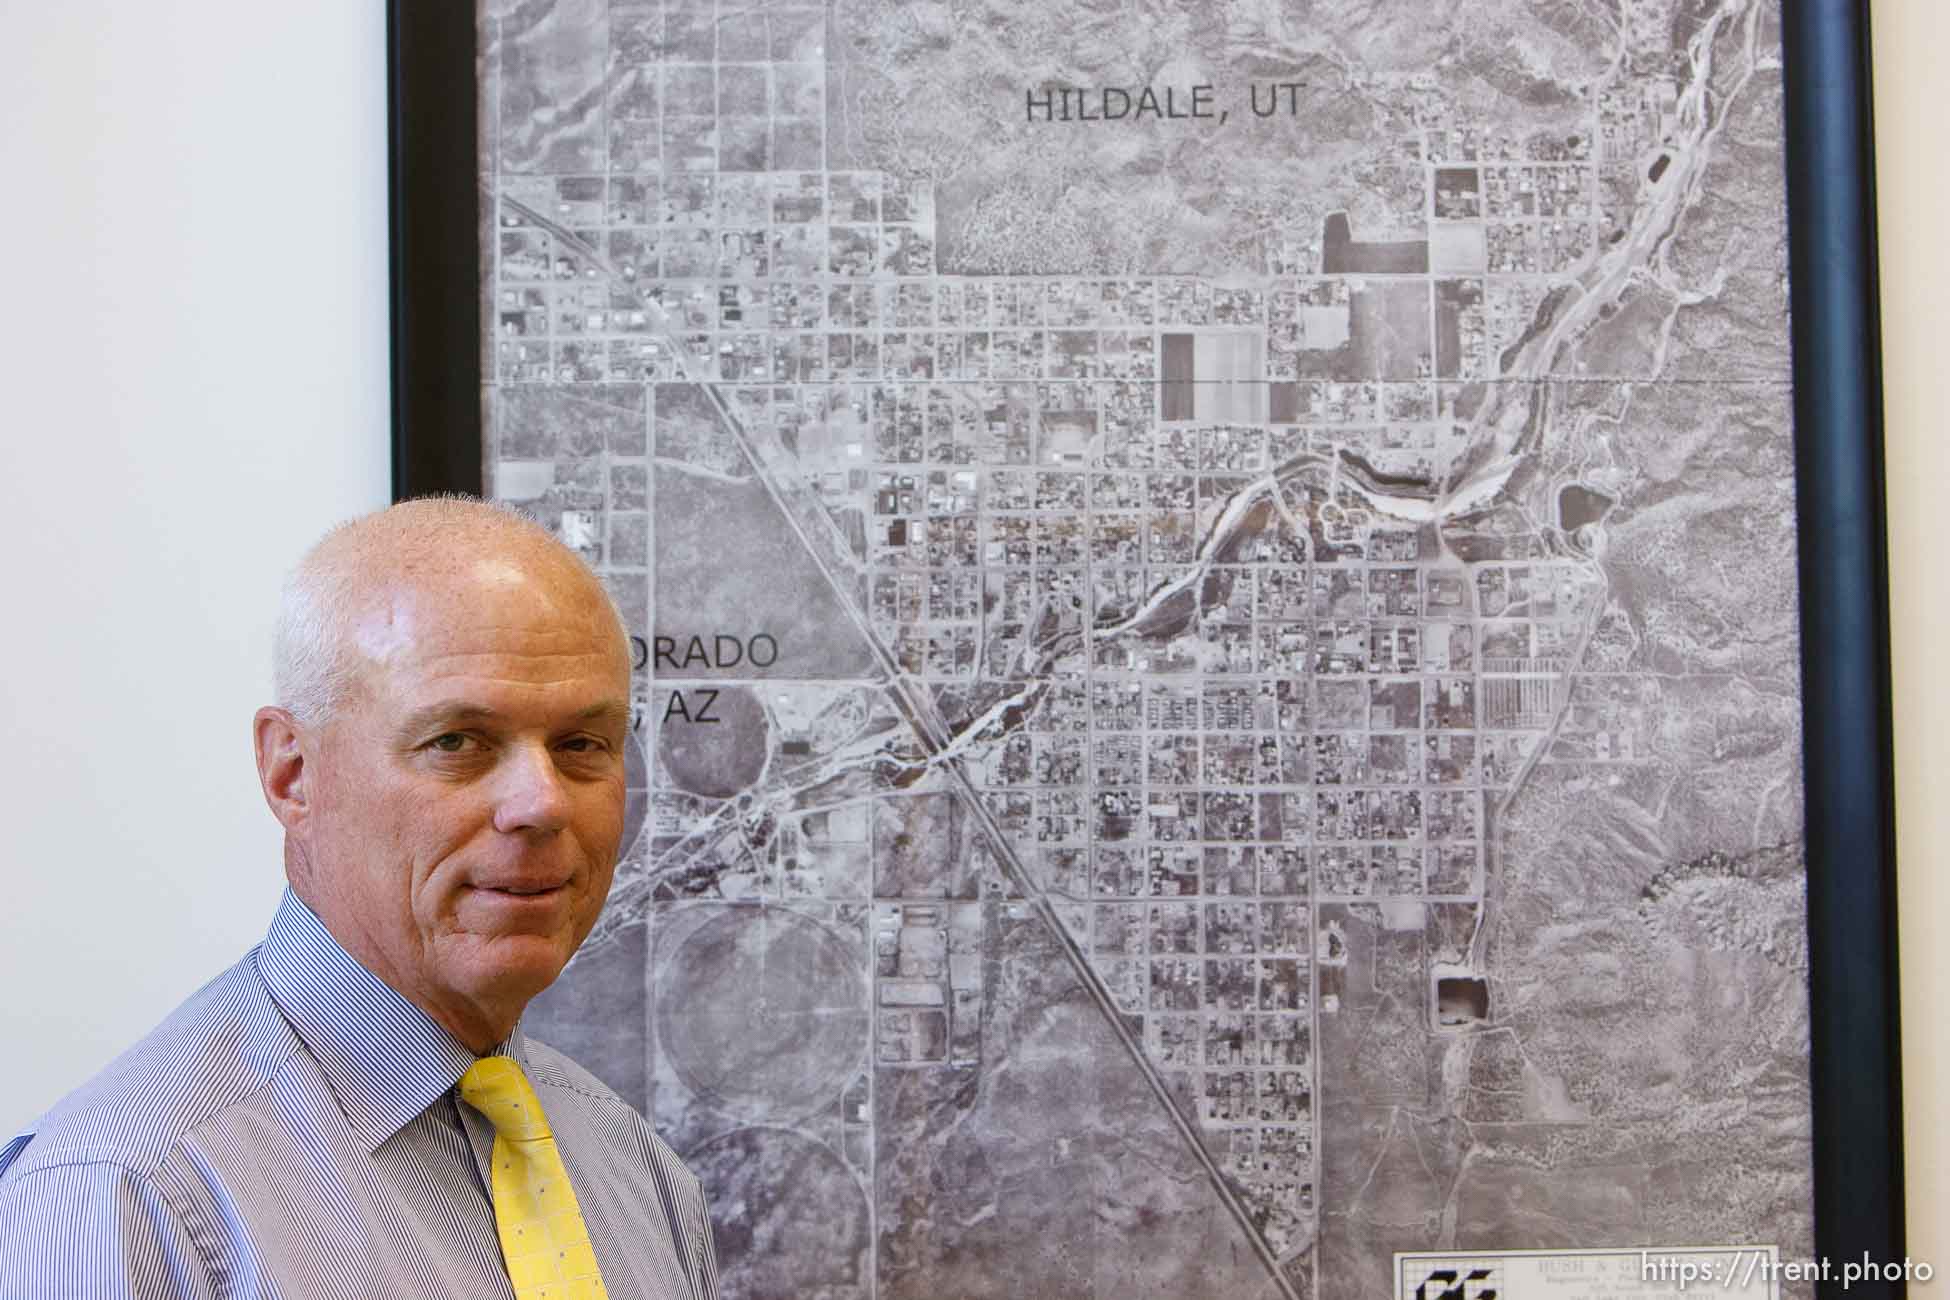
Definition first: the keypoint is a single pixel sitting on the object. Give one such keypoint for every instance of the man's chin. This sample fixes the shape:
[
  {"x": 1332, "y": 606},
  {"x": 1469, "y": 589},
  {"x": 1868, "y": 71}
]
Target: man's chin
[
  {"x": 515, "y": 962},
  {"x": 504, "y": 953},
  {"x": 530, "y": 948}
]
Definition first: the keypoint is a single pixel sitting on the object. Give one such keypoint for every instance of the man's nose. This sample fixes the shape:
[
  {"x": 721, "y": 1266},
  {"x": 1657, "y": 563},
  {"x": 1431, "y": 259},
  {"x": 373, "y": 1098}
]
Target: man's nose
[{"x": 531, "y": 795}]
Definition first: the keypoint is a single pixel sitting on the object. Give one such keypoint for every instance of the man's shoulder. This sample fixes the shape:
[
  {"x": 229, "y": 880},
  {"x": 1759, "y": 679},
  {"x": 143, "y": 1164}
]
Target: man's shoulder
[
  {"x": 548, "y": 1067},
  {"x": 221, "y": 1046}
]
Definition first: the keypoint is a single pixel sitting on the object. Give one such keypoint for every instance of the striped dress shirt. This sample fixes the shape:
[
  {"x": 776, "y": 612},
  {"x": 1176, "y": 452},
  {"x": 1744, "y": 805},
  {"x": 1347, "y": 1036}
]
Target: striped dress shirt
[{"x": 293, "y": 1131}]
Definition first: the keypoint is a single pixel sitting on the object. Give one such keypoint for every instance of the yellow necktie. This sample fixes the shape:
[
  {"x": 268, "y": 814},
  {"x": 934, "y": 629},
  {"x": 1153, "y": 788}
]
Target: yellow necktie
[{"x": 543, "y": 1238}]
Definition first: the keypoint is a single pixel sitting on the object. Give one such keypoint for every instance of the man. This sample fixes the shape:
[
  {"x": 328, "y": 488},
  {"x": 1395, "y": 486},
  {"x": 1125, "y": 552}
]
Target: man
[{"x": 350, "y": 1110}]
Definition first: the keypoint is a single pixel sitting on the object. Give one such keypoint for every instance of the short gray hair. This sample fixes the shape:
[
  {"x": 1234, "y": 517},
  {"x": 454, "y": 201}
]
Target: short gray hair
[{"x": 310, "y": 667}]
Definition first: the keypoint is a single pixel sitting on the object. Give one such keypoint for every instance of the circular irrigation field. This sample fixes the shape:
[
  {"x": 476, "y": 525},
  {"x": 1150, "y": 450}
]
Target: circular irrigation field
[
  {"x": 763, "y": 1013},
  {"x": 789, "y": 1216},
  {"x": 713, "y": 742}
]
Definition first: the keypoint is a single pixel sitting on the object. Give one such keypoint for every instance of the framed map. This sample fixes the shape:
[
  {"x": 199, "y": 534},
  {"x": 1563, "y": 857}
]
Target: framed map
[{"x": 1224, "y": 685}]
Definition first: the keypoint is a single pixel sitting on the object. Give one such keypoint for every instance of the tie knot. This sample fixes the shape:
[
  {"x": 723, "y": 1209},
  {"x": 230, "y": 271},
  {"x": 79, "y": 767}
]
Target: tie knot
[{"x": 495, "y": 1086}]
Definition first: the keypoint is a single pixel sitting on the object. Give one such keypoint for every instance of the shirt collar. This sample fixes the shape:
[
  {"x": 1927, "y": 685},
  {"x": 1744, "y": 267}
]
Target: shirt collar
[{"x": 385, "y": 1059}]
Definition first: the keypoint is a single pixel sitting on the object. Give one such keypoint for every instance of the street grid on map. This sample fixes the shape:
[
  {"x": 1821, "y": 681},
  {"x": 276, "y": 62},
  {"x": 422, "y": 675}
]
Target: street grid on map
[{"x": 1169, "y": 769}]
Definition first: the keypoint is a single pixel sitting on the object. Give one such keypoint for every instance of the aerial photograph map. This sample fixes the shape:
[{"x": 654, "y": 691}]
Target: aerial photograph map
[{"x": 1214, "y": 594}]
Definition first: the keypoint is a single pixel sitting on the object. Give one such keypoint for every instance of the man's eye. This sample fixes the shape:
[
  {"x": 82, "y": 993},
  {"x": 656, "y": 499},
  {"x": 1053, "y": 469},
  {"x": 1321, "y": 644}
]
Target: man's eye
[
  {"x": 451, "y": 742},
  {"x": 583, "y": 745}
]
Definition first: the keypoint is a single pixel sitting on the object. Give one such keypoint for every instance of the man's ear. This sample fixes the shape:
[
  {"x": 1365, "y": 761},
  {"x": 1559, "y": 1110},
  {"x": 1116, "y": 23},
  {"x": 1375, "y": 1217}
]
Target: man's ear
[{"x": 281, "y": 770}]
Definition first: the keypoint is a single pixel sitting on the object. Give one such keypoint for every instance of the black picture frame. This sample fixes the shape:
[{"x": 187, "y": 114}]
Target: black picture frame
[
  {"x": 433, "y": 211},
  {"x": 1856, "y": 1048},
  {"x": 1855, "y": 1058}
]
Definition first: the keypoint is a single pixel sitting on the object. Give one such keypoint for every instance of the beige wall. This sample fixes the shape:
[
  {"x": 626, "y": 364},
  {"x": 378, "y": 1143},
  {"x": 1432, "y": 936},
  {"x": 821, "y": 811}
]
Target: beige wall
[{"x": 1913, "y": 187}]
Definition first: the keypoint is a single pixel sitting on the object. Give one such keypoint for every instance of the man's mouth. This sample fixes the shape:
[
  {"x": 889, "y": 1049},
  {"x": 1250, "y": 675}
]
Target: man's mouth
[{"x": 523, "y": 891}]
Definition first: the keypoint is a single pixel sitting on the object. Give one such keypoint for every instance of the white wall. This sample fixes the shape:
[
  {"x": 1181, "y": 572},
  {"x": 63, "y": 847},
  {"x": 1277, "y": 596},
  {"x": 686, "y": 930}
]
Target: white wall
[
  {"x": 193, "y": 380},
  {"x": 1912, "y": 187}
]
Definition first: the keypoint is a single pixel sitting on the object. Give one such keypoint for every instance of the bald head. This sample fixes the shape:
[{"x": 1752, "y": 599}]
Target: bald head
[{"x": 342, "y": 605}]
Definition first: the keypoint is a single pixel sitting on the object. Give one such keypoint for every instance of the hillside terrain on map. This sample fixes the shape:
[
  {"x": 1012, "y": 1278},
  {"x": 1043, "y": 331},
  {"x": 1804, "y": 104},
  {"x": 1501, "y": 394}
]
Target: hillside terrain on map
[{"x": 1216, "y": 603}]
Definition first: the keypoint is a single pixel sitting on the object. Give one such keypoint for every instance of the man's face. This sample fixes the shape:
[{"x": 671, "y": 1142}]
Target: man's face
[{"x": 466, "y": 803}]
